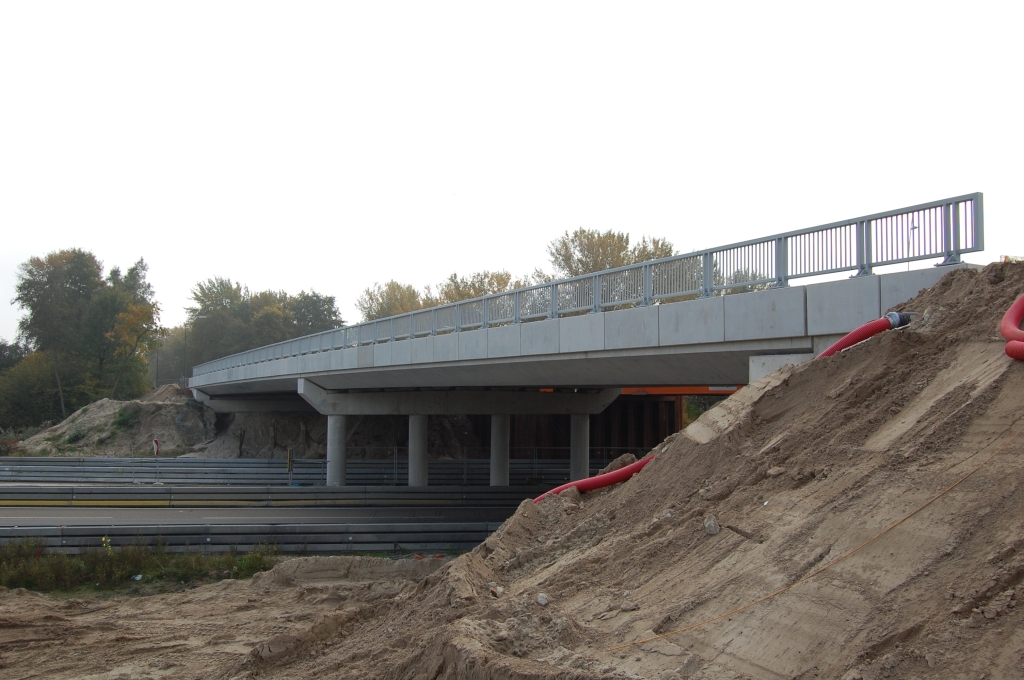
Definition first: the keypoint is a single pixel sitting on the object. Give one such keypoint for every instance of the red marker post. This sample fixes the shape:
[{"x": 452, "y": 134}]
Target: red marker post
[{"x": 156, "y": 454}]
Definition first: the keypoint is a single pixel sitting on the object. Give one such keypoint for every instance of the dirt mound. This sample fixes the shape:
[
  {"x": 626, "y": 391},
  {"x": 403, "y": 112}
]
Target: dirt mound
[
  {"x": 125, "y": 428},
  {"x": 799, "y": 470}
]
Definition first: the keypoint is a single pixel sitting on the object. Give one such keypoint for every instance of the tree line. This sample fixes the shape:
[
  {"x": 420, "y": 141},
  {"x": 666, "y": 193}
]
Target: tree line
[{"x": 86, "y": 335}]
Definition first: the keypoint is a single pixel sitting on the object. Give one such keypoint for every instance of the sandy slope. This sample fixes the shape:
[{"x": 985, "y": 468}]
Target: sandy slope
[{"x": 797, "y": 469}]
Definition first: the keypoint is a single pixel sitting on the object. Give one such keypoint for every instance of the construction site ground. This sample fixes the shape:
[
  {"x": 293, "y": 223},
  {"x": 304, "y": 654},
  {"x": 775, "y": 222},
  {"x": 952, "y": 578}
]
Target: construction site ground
[{"x": 780, "y": 509}]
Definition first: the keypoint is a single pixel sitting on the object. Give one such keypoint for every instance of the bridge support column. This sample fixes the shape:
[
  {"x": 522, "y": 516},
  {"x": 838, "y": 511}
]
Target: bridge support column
[
  {"x": 499, "y": 450},
  {"x": 417, "y": 450},
  {"x": 335, "y": 450},
  {"x": 579, "y": 447}
]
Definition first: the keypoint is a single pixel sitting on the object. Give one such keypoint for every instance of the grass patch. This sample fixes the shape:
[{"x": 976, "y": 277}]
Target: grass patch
[
  {"x": 26, "y": 564},
  {"x": 126, "y": 417},
  {"x": 76, "y": 435}
]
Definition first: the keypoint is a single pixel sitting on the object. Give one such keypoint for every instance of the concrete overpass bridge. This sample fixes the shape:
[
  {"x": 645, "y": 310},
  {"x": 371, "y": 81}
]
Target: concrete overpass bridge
[{"x": 722, "y": 316}]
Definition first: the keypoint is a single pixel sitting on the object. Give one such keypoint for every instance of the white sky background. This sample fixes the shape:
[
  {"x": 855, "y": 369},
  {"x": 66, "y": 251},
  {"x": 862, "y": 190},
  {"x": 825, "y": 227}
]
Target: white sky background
[{"x": 330, "y": 145}]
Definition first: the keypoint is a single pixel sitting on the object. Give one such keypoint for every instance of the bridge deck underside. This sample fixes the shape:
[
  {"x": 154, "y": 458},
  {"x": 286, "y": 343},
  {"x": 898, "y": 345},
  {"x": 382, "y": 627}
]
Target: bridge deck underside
[{"x": 712, "y": 364}]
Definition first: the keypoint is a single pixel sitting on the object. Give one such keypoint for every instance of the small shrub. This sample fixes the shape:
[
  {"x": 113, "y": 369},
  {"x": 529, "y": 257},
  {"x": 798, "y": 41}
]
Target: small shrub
[
  {"x": 28, "y": 564},
  {"x": 76, "y": 435},
  {"x": 126, "y": 417}
]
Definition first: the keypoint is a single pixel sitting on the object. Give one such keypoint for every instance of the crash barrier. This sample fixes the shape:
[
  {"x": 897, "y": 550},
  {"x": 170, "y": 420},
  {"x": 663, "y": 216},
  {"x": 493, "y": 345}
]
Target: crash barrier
[
  {"x": 172, "y": 496},
  {"x": 1011, "y": 331},
  {"x": 390, "y": 471},
  {"x": 288, "y": 538}
]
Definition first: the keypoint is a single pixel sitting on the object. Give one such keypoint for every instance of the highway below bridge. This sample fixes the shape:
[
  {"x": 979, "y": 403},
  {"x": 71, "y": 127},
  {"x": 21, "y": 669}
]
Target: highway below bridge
[{"x": 447, "y": 520}]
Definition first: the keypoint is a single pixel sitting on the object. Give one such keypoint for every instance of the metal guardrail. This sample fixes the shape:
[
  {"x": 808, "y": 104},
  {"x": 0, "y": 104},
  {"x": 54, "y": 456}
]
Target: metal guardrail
[
  {"x": 289, "y": 538},
  {"x": 390, "y": 471},
  {"x": 173, "y": 496},
  {"x": 940, "y": 229}
]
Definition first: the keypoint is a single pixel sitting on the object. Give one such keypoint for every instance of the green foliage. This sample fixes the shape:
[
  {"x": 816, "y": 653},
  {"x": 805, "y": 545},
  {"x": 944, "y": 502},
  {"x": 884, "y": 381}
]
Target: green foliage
[
  {"x": 91, "y": 333},
  {"x": 585, "y": 251},
  {"x": 127, "y": 416},
  {"x": 379, "y": 301},
  {"x": 76, "y": 435},
  {"x": 11, "y": 354},
  {"x": 235, "y": 319},
  {"x": 28, "y": 393},
  {"x": 27, "y": 564}
]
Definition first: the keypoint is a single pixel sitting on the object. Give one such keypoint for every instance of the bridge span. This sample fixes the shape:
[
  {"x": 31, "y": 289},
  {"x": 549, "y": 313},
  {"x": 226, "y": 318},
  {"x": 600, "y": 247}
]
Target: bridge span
[{"x": 722, "y": 316}]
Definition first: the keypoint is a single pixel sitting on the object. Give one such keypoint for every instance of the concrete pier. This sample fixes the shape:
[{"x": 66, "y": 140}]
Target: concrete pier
[
  {"x": 579, "y": 448},
  {"x": 499, "y": 449},
  {"x": 335, "y": 450},
  {"x": 417, "y": 450}
]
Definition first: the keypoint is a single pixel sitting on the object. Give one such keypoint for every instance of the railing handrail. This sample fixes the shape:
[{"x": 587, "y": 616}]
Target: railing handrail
[{"x": 768, "y": 257}]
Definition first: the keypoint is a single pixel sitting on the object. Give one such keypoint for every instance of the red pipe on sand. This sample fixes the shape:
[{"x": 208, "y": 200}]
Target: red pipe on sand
[
  {"x": 887, "y": 322},
  {"x": 600, "y": 481},
  {"x": 1010, "y": 329}
]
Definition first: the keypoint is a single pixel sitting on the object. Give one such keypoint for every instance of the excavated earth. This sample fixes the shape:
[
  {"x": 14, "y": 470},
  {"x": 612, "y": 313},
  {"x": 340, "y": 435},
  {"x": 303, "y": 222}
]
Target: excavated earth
[{"x": 799, "y": 471}]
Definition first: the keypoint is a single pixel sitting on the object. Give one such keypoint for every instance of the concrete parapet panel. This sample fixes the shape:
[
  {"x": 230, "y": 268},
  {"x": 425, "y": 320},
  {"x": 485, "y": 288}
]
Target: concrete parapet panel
[
  {"x": 350, "y": 357},
  {"x": 337, "y": 358},
  {"x": 364, "y": 356},
  {"x": 778, "y": 313},
  {"x": 583, "y": 333},
  {"x": 473, "y": 344},
  {"x": 504, "y": 341},
  {"x": 382, "y": 354},
  {"x": 631, "y": 328},
  {"x": 401, "y": 352},
  {"x": 692, "y": 322},
  {"x": 446, "y": 347},
  {"x": 760, "y": 366},
  {"x": 841, "y": 306},
  {"x": 539, "y": 337},
  {"x": 422, "y": 350},
  {"x": 902, "y": 286}
]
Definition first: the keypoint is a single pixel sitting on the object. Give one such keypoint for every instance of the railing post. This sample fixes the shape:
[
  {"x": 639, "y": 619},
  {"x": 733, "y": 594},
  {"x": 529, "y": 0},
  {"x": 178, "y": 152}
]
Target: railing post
[
  {"x": 863, "y": 248},
  {"x": 485, "y": 317},
  {"x": 595, "y": 290},
  {"x": 516, "y": 301},
  {"x": 554, "y": 300},
  {"x": 978, "y": 222},
  {"x": 781, "y": 262},
  {"x": 412, "y": 325},
  {"x": 950, "y": 234},
  {"x": 708, "y": 271},
  {"x": 433, "y": 321},
  {"x": 648, "y": 294}
]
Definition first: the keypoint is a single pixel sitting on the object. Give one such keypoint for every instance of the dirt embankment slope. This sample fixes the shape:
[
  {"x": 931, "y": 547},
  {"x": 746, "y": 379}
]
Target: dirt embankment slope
[{"x": 798, "y": 469}]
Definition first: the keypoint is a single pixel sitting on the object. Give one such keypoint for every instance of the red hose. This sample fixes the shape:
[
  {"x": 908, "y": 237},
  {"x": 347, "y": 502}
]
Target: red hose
[
  {"x": 1010, "y": 329},
  {"x": 600, "y": 481},
  {"x": 858, "y": 335}
]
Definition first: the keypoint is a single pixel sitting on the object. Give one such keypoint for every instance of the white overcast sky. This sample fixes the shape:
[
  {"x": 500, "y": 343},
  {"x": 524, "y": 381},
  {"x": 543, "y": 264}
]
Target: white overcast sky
[{"x": 330, "y": 145}]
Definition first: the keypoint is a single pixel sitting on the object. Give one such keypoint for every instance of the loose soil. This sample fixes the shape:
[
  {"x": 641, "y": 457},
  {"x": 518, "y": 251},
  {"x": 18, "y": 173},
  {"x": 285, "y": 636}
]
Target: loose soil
[{"x": 797, "y": 469}]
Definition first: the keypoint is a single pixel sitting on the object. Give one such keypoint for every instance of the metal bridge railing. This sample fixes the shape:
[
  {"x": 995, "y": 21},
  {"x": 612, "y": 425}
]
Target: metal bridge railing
[{"x": 941, "y": 229}]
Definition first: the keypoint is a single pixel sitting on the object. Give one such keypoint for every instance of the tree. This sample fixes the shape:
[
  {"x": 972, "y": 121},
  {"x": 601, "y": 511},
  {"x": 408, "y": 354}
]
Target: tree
[
  {"x": 56, "y": 291},
  {"x": 457, "y": 288},
  {"x": 11, "y": 353},
  {"x": 585, "y": 251},
  {"x": 314, "y": 313},
  {"x": 380, "y": 301}
]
